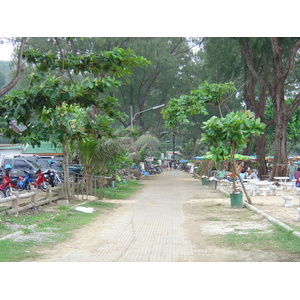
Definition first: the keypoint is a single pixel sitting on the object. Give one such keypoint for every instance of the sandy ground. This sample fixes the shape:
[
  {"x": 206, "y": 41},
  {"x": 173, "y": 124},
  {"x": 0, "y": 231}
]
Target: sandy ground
[
  {"x": 175, "y": 218},
  {"x": 274, "y": 205}
]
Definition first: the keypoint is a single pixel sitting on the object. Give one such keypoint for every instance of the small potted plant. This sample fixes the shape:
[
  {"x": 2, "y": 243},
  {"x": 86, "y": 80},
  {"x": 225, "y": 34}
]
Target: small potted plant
[{"x": 225, "y": 136}]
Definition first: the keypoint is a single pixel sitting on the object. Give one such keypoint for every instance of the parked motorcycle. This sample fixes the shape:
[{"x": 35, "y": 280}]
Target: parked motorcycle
[
  {"x": 159, "y": 169},
  {"x": 26, "y": 182},
  {"x": 20, "y": 184},
  {"x": 6, "y": 184},
  {"x": 155, "y": 170},
  {"x": 52, "y": 177},
  {"x": 41, "y": 181}
]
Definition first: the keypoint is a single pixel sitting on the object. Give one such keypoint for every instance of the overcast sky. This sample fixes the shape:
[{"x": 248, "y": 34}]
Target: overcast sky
[{"x": 5, "y": 51}]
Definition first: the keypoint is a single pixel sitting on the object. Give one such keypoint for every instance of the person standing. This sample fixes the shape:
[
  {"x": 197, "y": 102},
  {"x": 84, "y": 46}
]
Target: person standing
[
  {"x": 292, "y": 169},
  {"x": 297, "y": 174},
  {"x": 239, "y": 167}
]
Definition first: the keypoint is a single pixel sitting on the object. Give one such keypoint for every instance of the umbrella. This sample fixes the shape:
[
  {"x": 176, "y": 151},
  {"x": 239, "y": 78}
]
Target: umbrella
[
  {"x": 205, "y": 157},
  {"x": 252, "y": 157},
  {"x": 183, "y": 161},
  {"x": 196, "y": 158},
  {"x": 238, "y": 157},
  {"x": 295, "y": 157}
]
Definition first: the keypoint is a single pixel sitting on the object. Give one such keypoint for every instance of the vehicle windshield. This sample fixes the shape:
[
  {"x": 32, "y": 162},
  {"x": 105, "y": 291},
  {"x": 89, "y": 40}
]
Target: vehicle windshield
[{"x": 34, "y": 164}]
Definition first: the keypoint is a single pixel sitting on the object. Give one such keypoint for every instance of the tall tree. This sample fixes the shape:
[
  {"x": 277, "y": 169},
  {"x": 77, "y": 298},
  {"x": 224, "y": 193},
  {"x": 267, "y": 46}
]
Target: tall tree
[
  {"x": 171, "y": 73},
  {"x": 265, "y": 69},
  {"x": 278, "y": 63},
  {"x": 64, "y": 85}
]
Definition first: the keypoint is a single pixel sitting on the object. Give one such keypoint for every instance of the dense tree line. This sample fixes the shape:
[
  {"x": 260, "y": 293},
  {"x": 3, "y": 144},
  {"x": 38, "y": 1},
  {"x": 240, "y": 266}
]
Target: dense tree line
[{"x": 263, "y": 70}]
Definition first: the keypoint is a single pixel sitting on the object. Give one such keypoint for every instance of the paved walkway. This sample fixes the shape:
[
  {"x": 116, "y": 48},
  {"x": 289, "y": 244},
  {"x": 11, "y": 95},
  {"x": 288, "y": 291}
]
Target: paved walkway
[{"x": 149, "y": 230}]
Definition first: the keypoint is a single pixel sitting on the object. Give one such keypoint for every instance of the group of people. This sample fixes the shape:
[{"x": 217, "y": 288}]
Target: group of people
[
  {"x": 248, "y": 173},
  {"x": 244, "y": 172}
]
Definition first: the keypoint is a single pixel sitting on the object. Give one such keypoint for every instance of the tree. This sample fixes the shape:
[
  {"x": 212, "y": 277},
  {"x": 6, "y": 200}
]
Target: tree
[
  {"x": 229, "y": 134},
  {"x": 106, "y": 156},
  {"x": 292, "y": 137},
  {"x": 64, "y": 85},
  {"x": 171, "y": 73},
  {"x": 102, "y": 157},
  {"x": 277, "y": 65},
  {"x": 187, "y": 105},
  {"x": 266, "y": 68}
]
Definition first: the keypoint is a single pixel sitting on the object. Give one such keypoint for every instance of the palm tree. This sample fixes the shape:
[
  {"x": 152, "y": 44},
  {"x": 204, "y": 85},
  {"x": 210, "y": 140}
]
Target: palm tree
[{"x": 107, "y": 156}]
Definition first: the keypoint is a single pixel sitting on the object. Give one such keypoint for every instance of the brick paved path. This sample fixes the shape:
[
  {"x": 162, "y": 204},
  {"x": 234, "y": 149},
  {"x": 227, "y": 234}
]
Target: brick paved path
[{"x": 149, "y": 229}]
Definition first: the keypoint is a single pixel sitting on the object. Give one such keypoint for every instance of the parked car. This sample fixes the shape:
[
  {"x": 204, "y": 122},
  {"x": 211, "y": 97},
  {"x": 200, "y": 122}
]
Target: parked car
[
  {"x": 19, "y": 165},
  {"x": 74, "y": 169}
]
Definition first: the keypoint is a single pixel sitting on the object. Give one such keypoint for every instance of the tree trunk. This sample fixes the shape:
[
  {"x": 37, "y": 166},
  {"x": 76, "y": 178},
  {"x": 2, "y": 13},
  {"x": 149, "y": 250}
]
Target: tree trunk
[
  {"x": 236, "y": 173},
  {"x": 280, "y": 152},
  {"x": 281, "y": 69},
  {"x": 261, "y": 155},
  {"x": 258, "y": 107},
  {"x": 66, "y": 173}
]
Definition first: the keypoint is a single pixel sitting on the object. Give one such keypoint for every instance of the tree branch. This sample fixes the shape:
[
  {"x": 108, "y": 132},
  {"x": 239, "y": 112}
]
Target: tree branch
[
  {"x": 249, "y": 62},
  {"x": 20, "y": 70}
]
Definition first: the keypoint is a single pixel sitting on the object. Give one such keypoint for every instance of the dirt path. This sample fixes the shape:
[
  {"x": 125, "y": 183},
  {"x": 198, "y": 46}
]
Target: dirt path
[{"x": 173, "y": 218}]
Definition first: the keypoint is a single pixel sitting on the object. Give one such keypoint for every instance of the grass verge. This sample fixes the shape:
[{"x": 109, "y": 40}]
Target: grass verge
[
  {"x": 36, "y": 229},
  {"x": 121, "y": 190},
  {"x": 274, "y": 238},
  {"x": 41, "y": 227},
  {"x": 278, "y": 239}
]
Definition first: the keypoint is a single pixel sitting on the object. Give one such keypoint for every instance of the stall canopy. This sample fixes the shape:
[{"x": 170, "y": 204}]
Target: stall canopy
[
  {"x": 236, "y": 157},
  {"x": 196, "y": 158}
]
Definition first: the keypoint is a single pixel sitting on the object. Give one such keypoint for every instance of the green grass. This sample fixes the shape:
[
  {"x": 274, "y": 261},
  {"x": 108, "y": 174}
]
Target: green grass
[
  {"x": 120, "y": 191},
  {"x": 249, "y": 241},
  {"x": 61, "y": 222},
  {"x": 277, "y": 239},
  {"x": 286, "y": 240},
  {"x": 14, "y": 251},
  {"x": 213, "y": 219}
]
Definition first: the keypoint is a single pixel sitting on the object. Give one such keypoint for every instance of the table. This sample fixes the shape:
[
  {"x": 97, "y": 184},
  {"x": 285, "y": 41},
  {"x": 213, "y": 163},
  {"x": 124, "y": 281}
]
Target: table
[
  {"x": 261, "y": 184},
  {"x": 282, "y": 178},
  {"x": 249, "y": 180},
  {"x": 288, "y": 185}
]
